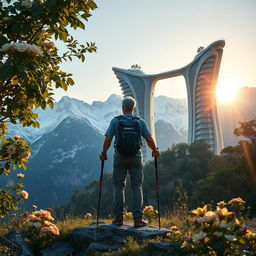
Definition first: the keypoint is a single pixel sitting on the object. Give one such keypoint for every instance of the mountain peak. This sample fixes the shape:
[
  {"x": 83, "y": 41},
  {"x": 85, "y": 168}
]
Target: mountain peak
[{"x": 114, "y": 97}]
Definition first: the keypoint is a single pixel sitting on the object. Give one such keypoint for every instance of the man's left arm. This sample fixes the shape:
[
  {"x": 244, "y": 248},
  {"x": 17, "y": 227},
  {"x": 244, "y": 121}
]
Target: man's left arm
[{"x": 149, "y": 139}]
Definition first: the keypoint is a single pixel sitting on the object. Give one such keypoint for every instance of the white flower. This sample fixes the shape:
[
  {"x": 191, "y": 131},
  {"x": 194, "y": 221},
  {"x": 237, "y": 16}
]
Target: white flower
[
  {"x": 7, "y": 47},
  {"x": 220, "y": 224},
  {"x": 217, "y": 234},
  {"x": 27, "y": 3},
  {"x": 35, "y": 50},
  {"x": 37, "y": 224},
  {"x": 21, "y": 47},
  {"x": 231, "y": 237},
  {"x": 199, "y": 237}
]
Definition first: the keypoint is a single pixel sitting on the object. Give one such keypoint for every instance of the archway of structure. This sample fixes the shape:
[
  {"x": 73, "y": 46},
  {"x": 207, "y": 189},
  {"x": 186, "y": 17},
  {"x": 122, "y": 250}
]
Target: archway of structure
[{"x": 171, "y": 112}]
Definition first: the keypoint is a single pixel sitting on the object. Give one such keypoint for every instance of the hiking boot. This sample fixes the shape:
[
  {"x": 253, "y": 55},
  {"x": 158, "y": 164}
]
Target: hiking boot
[
  {"x": 140, "y": 223},
  {"x": 117, "y": 222}
]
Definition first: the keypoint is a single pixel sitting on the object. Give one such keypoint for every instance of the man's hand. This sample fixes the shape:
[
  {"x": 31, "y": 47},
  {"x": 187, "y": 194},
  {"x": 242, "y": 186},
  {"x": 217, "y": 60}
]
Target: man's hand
[
  {"x": 103, "y": 156},
  {"x": 156, "y": 153}
]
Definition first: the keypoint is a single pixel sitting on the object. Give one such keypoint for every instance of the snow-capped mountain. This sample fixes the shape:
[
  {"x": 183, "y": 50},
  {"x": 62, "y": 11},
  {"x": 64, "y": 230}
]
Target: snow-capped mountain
[
  {"x": 172, "y": 111},
  {"x": 66, "y": 148},
  {"x": 98, "y": 114}
]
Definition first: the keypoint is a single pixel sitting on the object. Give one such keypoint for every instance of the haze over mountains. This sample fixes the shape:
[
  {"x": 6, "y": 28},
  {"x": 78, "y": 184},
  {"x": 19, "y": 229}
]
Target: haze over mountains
[{"x": 66, "y": 147}]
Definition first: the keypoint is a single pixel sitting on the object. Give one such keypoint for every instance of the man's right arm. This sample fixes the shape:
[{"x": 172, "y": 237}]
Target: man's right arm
[
  {"x": 151, "y": 143},
  {"x": 108, "y": 138},
  {"x": 106, "y": 145}
]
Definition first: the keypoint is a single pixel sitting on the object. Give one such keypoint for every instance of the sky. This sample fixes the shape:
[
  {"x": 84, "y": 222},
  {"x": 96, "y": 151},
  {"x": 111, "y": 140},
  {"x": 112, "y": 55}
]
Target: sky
[{"x": 162, "y": 35}]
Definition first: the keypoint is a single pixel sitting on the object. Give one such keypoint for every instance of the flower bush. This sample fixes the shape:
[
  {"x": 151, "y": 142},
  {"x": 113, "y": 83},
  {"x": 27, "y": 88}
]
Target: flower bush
[
  {"x": 38, "y": 227},
  {"x": 221, "y": 232},
  {"x": 30, "y": 69},
  {"x": 150, "y": 213}
]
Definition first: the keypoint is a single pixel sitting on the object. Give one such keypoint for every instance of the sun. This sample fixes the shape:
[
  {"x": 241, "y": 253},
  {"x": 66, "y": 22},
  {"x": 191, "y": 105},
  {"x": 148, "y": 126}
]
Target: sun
[{"x": 227, "y": 90}]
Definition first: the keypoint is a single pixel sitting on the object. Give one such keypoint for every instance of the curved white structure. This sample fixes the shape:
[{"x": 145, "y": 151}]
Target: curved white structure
[{"x": 200, "y": 76}]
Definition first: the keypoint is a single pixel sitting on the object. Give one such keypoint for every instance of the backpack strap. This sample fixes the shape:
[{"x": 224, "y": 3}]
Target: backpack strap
[
  {"x": 123, "y": 117},
  {"x": 119, "y": 117}
]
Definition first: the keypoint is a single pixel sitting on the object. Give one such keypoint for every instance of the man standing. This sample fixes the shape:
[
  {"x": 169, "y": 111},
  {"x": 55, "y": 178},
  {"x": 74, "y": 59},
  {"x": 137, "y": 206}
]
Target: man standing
[{"x": 128, "y": 130}]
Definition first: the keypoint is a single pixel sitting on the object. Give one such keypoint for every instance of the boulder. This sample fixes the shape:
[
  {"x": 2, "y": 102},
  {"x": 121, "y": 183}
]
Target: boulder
[
  {"x": 82, "y": 236},
  {"x": 169, "y": 247},
  {"x": 14, "y": 240},
  {"x": 101, "y": 247},
  {"x": 60, "y": 248}
]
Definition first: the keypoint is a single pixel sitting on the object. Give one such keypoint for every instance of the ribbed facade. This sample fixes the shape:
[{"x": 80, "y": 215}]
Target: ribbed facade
[{"x": 201, "y": 76}]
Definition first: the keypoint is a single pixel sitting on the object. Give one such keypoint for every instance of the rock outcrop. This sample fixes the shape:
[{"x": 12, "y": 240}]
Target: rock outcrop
[{"x": 85, "y": 240}]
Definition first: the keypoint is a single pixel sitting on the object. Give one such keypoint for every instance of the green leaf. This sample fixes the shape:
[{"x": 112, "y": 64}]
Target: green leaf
[
  {"x": 70, "y": 81},
  {"x": 20, "y": 68},
  {"x": 6, "y": 71}
]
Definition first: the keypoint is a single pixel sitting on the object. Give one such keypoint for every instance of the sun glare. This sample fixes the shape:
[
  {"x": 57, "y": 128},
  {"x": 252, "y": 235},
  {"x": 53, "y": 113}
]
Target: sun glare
[{"x": 227, "y": 90}]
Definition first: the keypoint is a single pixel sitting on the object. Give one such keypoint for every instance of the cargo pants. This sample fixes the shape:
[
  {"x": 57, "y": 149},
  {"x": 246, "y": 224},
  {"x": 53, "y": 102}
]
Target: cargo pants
[{"x": 123, "y": 164}]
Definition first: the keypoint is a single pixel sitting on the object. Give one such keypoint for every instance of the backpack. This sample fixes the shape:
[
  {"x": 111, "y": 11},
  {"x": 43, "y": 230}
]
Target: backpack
[{"x": 128, "y": 135}]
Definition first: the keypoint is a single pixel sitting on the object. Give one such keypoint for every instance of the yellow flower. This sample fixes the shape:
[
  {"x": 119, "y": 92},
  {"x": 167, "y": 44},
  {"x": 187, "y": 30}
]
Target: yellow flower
[
  {"x": 32, "y": 217},
  {"x": 210, "y": 216},
  {"x": 148, "y": 208},
  {"x": 16, "y": 137},
  {"x": 49, "y": 217},
  {"x": 250, "y": 235},
  {"x": 173, "y": 228},
  {"x": 221, "y": 204},
  {"x": 237, "y": 201},
  {"x": 177, "y": 232},
  {"x": 222, "y": 212},
  {"x": 20, "y": 175},
  {"x": 128, "y": 215},
  {"x": 24, "y": 194},
  {"x": 54, "y": 229},
  {"x": 47, "y": 223},
  {"x": 200, "y": 211}
]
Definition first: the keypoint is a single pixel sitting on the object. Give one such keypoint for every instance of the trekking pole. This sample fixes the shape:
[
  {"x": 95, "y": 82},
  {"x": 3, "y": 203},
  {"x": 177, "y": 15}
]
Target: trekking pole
[
  {"x": 157, "y": 194},
  {"x": 100, "y": 190}
]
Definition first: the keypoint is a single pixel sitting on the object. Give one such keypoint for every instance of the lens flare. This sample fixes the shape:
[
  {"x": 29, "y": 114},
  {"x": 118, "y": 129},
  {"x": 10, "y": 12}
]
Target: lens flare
[{"x": 227, "y": 90}]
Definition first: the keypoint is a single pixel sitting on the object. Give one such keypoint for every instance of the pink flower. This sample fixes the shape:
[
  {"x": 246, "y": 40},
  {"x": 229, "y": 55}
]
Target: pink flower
[
  {"x": 45, "y": 230},
  {"x": 25, "y": 155}
]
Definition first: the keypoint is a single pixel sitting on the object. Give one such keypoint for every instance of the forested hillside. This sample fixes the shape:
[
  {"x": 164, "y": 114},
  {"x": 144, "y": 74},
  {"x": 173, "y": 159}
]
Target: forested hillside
[{"x": 206, "y": 178}]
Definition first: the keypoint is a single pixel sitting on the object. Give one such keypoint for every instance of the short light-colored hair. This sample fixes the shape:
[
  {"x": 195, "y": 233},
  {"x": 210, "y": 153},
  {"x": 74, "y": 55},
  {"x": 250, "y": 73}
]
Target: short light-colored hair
[{"x": 129, "y": 103}]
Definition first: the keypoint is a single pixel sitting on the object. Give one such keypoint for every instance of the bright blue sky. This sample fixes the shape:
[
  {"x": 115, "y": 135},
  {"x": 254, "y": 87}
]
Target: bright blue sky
[{"x": 163, "y": 35}]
